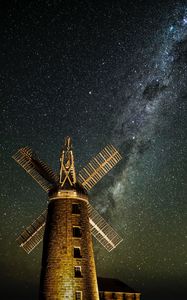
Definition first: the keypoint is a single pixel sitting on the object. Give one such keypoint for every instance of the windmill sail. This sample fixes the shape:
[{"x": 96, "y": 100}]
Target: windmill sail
[
  {"x": 40, "y": 172},
  {"x": 88, "y": 177},
  {"x": 98, "y": 167},
  {"x": 33, "y": 234},
  {"x": 102, "y": 231}
]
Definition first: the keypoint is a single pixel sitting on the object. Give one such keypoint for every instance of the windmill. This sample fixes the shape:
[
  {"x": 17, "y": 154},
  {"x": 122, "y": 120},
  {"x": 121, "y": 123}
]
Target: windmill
[{"x": 66, "y": 227}]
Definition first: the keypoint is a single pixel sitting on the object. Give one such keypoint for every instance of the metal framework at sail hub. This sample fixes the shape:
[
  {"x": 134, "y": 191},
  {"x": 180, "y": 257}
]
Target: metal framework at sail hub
[{"x": 67, "y": 225}]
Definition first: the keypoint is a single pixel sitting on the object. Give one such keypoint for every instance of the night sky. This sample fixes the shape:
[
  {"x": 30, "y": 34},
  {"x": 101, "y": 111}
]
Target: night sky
[{"x": 102, "y": 72}]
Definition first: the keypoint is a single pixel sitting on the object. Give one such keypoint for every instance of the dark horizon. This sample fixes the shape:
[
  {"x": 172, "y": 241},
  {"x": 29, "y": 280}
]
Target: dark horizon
[{"x": 21, "y": 291}]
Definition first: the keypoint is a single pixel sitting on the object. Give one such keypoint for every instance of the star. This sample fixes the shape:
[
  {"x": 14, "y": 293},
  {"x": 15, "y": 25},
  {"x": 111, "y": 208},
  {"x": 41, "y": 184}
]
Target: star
[
  {"x": 132, "y": 58},
  {"x": 185, "y": 20}
]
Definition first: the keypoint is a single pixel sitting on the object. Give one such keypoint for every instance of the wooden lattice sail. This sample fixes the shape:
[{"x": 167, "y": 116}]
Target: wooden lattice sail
[
  {"x": 40, "y": 172},
  {"x": 102, "y": 231},
  {"x": 99, "y": 166},
  {"x": 68, "y": 223},
  {"x": 33, "y": 234}
]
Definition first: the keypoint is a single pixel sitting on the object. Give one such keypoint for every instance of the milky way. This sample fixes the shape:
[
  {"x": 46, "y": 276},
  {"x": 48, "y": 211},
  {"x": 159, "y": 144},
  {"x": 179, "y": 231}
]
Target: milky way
[
  {"x": 146, "y": 123},
  {"x": 102, "y": 73}
]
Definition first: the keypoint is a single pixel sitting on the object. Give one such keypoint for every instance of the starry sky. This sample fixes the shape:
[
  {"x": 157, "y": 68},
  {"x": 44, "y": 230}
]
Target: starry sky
[{"x": 102, "y": 72}]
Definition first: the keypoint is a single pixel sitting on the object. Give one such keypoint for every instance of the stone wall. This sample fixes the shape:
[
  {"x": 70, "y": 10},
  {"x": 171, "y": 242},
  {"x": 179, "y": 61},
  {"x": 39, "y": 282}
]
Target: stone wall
[
  {"x": 58, "y": 280},
  {"x": 118, "y": 296}
]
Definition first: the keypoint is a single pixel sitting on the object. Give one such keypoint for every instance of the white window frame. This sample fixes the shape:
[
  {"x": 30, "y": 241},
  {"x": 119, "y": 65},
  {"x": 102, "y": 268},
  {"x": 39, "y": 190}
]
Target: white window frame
[
  {"x": 79, "y": 269},
  {"x": 79, "y": 293},
  {"x": 79, "y": 251}
]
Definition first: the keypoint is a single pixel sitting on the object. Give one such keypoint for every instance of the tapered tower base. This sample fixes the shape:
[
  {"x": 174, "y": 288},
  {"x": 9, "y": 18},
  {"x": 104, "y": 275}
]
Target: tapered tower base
[{"x": 68, "y": 267}]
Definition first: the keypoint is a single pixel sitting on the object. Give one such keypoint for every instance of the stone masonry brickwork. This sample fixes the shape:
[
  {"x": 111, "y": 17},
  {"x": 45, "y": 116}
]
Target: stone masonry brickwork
[
  {"x": 118, "y": 296},
  {"x": 58, "y": 280}
]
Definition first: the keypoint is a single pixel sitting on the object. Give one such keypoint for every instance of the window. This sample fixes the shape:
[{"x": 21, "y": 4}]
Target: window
[
  {"x": 77, "y": 252},
  {"x": 78, "y": 295},
  {"x": 76, "y": 209},
  {"x": 77, "y": 270},
  {"x": 76, "y": 231}
]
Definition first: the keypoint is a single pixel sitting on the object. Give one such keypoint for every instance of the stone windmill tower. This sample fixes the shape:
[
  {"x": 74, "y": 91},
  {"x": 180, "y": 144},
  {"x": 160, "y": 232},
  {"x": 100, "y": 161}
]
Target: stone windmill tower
[{"x": 68, "y": 267}]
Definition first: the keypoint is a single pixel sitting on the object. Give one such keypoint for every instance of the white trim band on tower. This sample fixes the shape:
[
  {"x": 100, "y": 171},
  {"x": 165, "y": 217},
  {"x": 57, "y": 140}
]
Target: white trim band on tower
[{"x": 69, "y": 194}]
